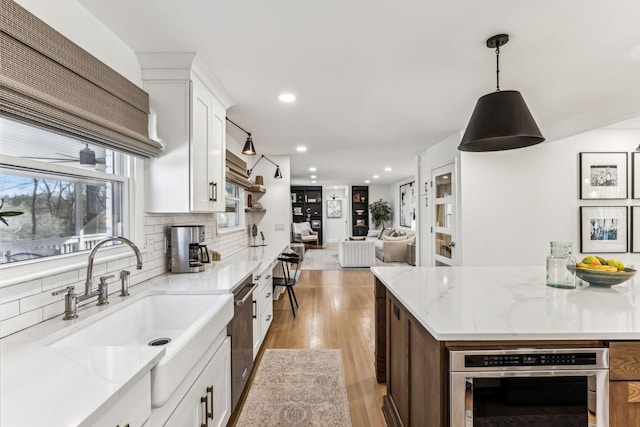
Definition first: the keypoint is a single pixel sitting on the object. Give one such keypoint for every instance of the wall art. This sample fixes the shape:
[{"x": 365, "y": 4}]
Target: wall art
[
  {"x": 603, "y": 229},
  {"x": 603, "y": 176},
  {"x": 407, "y": 204}
]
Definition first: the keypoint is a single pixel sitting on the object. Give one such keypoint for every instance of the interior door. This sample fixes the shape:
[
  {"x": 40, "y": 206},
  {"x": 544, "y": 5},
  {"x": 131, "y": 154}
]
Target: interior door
[{"x": 443, "y": 226}]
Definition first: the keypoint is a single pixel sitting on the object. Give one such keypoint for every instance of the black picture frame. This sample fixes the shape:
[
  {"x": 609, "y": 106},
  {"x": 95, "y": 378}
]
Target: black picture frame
[
  {"x": 603, "y": 175},
  {"x": 604, "y": 229}
]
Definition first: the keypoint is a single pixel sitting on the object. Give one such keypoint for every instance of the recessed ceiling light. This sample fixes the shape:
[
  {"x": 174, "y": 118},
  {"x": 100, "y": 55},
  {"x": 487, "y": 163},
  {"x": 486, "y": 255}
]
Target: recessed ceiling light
[
  {"x": 388, "y": 169},
  {"x": 287, "y": 97},
  {"x": 376, "y": 176},
  {"x": 301, "y": 149},
  {"x": 366, "y": 181},
  {"x": 312, "y": 169},
  {"x": 313, "y": 182},
  {"x": 313, "y": 177}
]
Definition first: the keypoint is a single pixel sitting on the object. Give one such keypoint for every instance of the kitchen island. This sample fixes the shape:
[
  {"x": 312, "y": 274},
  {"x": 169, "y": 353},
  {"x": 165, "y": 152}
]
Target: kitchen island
[{"x": 424, "y": 313}]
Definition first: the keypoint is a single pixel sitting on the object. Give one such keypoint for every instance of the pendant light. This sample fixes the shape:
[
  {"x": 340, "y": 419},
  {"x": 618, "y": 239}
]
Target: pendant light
[
  {"x": 248, "y": 148},
  {"x": 500, "y": 120}
]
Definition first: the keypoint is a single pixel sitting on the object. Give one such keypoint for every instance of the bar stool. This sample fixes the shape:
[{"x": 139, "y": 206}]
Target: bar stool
[{"x": 289, "y": 260}]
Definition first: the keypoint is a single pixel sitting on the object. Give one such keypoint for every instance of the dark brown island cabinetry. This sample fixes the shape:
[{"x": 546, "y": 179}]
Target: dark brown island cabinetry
[{"x": 415, "y": 367}]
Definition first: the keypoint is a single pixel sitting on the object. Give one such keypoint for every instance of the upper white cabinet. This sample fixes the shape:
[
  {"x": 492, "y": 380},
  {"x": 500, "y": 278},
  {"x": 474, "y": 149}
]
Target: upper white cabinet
[{"x": 188, "y": 107}]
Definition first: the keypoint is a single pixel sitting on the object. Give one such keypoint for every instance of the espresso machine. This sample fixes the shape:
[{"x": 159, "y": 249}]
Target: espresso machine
[{"x": 188, "y": 253}]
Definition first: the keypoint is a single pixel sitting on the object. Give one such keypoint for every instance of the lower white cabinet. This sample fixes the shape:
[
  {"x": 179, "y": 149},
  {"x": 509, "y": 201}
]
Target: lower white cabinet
[
  {"x": 262, "y": 308},
  {"x": 208, "y": 401},
  {"x": 132, "y": 409}
]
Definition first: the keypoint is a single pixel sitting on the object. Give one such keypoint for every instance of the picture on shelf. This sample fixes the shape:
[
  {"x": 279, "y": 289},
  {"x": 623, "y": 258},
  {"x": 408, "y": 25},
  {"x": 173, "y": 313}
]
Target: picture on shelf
[
  {"x": 359, "y": 222},
  {"x": 297, "y": 210},
  {"x": 315, "y": 223}
]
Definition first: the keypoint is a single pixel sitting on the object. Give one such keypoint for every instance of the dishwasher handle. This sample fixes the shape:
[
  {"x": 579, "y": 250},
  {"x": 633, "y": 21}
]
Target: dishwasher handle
[{"x": 248, "y": 295}]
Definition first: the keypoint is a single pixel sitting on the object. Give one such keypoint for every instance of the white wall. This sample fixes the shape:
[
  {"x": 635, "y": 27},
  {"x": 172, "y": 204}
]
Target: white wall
[
  {"x": 515, "y": 202},
  {"x": 336, "y": 229}
]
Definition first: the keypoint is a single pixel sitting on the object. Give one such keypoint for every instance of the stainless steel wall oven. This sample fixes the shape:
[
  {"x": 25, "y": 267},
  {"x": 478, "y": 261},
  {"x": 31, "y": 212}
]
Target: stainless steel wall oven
[{"x": 530, "y": 387}]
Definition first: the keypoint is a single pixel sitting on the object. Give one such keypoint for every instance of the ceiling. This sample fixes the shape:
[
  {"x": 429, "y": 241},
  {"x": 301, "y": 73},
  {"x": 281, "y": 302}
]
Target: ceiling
[{"x": 379, "y": 81}]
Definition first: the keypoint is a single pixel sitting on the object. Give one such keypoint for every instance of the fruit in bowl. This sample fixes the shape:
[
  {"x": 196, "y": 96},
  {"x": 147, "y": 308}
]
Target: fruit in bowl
[{"x": 600, "y": 272}]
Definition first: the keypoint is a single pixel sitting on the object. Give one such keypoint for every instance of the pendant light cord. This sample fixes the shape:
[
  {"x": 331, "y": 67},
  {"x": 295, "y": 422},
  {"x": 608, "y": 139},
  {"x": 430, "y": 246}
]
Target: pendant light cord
[{"x": 497, "y": 68}]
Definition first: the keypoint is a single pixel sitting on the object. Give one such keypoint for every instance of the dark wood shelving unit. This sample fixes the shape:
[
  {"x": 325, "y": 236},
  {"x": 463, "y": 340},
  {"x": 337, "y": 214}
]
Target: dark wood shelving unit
[
  {"x": 359, "y": 210},
  {"x": 306, "y": 205}
]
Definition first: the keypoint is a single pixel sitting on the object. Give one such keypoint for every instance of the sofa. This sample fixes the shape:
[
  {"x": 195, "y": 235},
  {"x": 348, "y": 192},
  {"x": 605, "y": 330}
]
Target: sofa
[
  {"x": 391, "y": 244},
  {"x": 356, "y": 253}
]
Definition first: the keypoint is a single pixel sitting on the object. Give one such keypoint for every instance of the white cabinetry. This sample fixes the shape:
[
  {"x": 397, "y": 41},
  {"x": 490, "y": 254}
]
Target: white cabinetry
[
  {"x": 263, "y": 307},
  {"x": 190, "y": 116},
  {"x": 208, "y": 401},
  {"x": 133, "y": 408}
]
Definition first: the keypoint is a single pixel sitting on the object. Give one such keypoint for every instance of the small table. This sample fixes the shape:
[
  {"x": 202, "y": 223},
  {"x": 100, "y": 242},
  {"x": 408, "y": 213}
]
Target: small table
[{"x": 298, "y": 248}]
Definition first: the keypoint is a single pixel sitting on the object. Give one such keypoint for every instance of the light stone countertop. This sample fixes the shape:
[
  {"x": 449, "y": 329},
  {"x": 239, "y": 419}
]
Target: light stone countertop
[
  {"x": 55, "y": 386},
  {"x": 512, "y": 303}
]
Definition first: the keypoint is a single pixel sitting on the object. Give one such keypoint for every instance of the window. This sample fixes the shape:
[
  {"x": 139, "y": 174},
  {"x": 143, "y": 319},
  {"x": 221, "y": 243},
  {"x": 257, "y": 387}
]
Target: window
[
  {"x": 231, "y": 218},
  {"x": 68, "y": 192}
]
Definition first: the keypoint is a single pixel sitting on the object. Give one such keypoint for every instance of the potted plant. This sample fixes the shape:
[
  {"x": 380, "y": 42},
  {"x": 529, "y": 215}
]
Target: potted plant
[{"x": 380, "y": 212}]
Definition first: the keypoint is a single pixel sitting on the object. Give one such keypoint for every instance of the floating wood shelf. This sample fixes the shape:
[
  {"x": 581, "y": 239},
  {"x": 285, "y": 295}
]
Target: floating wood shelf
[{"x": 252, "y": 210}]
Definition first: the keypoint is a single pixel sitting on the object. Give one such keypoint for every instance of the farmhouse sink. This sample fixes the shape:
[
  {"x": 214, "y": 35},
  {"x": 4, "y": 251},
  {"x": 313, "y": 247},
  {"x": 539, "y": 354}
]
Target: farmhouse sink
[{"x": 184, "y": 324}]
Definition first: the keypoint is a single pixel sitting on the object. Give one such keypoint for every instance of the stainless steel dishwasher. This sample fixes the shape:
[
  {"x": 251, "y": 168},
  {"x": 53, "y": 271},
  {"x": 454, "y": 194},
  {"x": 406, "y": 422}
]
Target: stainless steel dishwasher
[{"x": 240, "y": 330}]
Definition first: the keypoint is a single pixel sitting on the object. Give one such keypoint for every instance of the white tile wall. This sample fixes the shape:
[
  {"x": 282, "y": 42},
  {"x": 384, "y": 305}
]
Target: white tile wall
[{"x": 25, "y": 304}]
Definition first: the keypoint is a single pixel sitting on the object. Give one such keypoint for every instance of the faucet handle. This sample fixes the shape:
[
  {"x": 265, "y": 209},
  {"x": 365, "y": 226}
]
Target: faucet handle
[
  {"x": 69, "y": 302},
  {"x": 103, "y": 291},
  {"x": 103, "y": 279},
  {"x": 68, "y": 290}
]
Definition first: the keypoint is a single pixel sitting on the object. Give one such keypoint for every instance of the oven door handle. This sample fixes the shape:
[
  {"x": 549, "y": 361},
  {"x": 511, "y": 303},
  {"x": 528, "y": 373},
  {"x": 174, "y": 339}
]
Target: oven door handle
[{"x": 246, "y": 297}]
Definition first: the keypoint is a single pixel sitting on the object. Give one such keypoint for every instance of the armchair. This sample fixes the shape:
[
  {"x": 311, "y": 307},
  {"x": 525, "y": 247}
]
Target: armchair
[{"x": 301, "y": 232}]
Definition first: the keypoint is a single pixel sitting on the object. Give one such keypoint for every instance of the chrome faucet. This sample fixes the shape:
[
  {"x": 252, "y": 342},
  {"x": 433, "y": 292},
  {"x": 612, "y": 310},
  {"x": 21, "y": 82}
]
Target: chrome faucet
[{"x": 88, "y": 285}]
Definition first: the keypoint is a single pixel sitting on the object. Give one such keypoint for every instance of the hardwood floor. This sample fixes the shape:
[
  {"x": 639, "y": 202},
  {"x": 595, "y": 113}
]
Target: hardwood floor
[{"x": 336, "y": 311}]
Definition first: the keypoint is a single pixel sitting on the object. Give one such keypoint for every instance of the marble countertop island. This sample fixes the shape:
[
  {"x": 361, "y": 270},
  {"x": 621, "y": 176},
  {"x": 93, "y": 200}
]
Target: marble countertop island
[{"x": 511, "y": 303}]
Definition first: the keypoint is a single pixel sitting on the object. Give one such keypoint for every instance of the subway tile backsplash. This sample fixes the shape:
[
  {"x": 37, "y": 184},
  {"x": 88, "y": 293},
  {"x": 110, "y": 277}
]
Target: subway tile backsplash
[{"x": 25, "y": 304}]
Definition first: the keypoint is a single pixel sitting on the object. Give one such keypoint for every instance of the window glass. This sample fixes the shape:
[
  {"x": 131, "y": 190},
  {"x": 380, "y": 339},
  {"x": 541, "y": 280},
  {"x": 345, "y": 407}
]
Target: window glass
[
  {"x": 64, "y": 191},
  {"x": 231, "y": 217}
]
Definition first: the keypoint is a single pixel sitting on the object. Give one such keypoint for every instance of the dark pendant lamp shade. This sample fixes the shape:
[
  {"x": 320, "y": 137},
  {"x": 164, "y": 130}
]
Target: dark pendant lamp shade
[
  {"x": 500, "y": 121},
  {"x": 249, "y": 149},
  {"x": 278, "y": 174}
]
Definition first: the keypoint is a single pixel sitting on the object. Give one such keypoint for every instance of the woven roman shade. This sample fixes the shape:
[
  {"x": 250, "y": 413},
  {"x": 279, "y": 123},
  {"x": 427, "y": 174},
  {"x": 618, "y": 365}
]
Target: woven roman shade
[
  {"x": 48, "y": 81},
  {"x": 236, "y": 171}
]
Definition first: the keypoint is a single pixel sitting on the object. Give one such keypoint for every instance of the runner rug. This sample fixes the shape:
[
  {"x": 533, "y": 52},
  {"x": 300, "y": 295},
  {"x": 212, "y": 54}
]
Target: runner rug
[{"x": 297, "y": 388}]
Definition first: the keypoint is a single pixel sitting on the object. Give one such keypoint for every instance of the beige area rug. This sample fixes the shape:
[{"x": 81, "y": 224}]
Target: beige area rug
[
  {"x": 327, "y": 259},
  {"x": 297, "y": 388}
]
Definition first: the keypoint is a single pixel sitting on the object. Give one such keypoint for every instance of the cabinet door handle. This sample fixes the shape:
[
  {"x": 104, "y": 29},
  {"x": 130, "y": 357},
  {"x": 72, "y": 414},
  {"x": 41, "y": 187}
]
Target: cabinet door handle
[
  {"x": 268, "y": 318},
  {"x": 396, "y": 311},
  {"x": 213, "y": 197},
  {"x": 205, "y": 421},
  {"x": 255, "y": 304},
  {"x": 210, "y": 393},
  {"x": 268, "y": 295},
  {"x": 268, "y": 277}
]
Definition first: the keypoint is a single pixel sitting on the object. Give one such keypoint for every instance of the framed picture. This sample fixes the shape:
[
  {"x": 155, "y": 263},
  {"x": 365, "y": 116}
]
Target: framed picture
[
  {"x": 293, "y": 197},
  {"x": 407, "y": 204},
  {"x": 635, "y": 229},
  {"x": 603, "y": 229},
  {"x": 315, "y": 224},
  {"x": 603, "y": 175},
  {"x": 334, "y": 208},
  {"x": 635, "y": 180},
  {"x": 297, "y": 210},
  {"x": 359, "y": 222}
]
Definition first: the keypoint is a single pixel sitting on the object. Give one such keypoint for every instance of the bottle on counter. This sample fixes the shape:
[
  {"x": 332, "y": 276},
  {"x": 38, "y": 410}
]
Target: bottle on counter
[{"x": 561, "y": 272}]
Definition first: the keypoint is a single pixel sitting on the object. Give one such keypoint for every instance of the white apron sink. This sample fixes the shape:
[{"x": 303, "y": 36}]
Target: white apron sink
[{"x": 185, "y": 324}]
